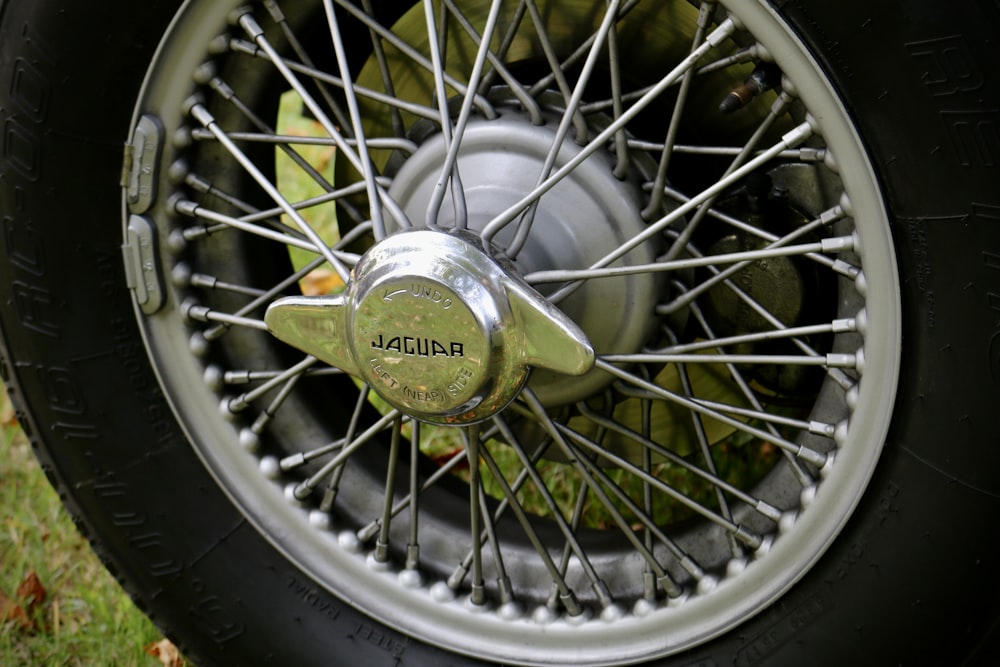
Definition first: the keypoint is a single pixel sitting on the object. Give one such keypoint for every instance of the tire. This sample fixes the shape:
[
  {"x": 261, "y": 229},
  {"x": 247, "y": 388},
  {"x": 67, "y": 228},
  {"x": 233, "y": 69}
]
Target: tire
[{"x": 841, "y": 514}]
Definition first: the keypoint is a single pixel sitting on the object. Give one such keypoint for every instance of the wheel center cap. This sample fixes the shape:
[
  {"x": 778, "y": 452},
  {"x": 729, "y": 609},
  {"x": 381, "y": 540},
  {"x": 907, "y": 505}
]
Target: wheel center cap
[{"x": 436, "y": 326}]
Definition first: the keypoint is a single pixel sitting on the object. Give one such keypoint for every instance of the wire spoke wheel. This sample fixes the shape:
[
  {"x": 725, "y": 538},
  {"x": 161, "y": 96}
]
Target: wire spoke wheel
[{"x": 548, "y": 332}]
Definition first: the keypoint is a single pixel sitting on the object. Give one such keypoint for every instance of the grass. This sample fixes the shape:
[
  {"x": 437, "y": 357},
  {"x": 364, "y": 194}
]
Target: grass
[{"x": 85, "y": 618}]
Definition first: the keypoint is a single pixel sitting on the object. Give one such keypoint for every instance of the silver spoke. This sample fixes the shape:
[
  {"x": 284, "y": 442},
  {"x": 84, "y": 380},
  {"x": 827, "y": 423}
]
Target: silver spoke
[
  {"x": 453, "y": 136},
  {"x": 766, "y": 509},
  {"x": 381, "y": 553},
  {"x": 472, "y": 445},
  {"x": 566, "y": 595},
  {"x": 572, "y": 541},
  {"x": 413, "y": 537},
  {"x": 303, "y": 490},
  {"x": 807, "y": 155},
  {"x": 506, "y": 217},
  {"x": 558, "y": 75},
  {"x": 234, "y": 377},
  {"x": 211, "y": 282},
  {"x": 294, "y": 139},
  {"x": 655, "y": 202},
  {"x": 449, "y": 171},
  {"x": 289, "y": 376},
  {"x": 705, "y": 449},
  {"x": 837, "y": 326},
  {"x": 460, "y": 573},
  {"x": 495, "y": 59},
  {"x": 570, "y": 61},
  {"x": 391, "y": 102},
  {"x": 747, "y": 537},
  {"x": 205, "y": 118},
  {"x": 740, "y": 259},
  {"x": 367, "y": 169},
  {"x": 195, "y": 210},
  {"x": 570, "y": 116},
  {"x": 205, "y": 314},
  {"x": 773, "y": 321},
  {"x": 804, "y": 478},
  {"x": 832, "y": 360},
  {"x": 826, "y": 219},
  {"x": 227, "y": 93},
  {"x": 279, "y": 17},
  {"x": 415, "y": 56},
  {"x": 412, "y": 500},
  {"x": 296, "y": 460},
  {"x": 799, "y": 134},
  {"x": 378, "y": 51},
  {"x": 740, "y": 161},
  {"x": 362, "y": 164},
  {"x": 810, "y": 456}
]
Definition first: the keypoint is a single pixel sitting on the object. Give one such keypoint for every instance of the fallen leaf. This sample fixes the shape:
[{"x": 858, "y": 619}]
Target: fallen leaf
[
  {"x": 10, "y": 611},
  {"x": 165, "y": 651},
  {"x": 31, "y": 591},
  {"x": 320, "y": 282},
  {"x": 8, "y": 415},
  {"x": 444, "y": 458},
  {"x": 22, "y": 608}
]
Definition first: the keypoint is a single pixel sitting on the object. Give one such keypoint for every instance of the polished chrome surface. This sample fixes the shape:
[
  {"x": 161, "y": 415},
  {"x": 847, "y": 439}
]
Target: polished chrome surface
[{"x": 437, "y": 328}]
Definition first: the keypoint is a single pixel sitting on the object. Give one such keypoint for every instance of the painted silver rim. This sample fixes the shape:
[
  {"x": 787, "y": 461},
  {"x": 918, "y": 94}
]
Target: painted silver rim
[{"x": 742, "y": 323}]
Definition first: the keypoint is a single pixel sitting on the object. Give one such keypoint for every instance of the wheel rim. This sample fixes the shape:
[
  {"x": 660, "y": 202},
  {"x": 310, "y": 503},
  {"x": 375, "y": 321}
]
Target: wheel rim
[{"x": 701, "y": 303}]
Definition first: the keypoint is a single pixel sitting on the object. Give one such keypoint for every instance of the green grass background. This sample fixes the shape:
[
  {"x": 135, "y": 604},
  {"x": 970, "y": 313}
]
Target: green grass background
[{"x": 85, "y": 618}]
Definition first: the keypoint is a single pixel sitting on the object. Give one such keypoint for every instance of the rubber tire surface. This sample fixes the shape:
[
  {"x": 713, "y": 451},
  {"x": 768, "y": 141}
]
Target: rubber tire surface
[{"x": 912, "y": 579}]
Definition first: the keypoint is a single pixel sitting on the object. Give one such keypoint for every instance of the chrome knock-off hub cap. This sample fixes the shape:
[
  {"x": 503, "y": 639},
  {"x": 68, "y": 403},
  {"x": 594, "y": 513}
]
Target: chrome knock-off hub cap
[{"x": 436, "y": 326}]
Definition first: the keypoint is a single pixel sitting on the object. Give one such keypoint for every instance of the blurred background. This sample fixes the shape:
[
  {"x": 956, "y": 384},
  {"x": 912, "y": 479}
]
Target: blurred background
[{"x": 58, "y": 605}]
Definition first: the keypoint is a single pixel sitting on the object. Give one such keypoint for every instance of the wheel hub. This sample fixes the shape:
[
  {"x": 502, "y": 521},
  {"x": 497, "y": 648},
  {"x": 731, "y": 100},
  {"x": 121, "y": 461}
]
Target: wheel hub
[
  {"x": 586, "y": 215},
  {"x": 436, "y": 326}
]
